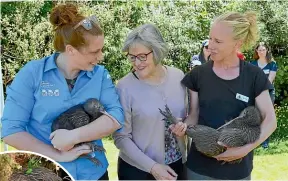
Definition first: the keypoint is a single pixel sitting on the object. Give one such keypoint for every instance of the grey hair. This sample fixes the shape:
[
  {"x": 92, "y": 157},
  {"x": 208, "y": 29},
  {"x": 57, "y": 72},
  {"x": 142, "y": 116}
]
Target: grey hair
[{"x": 149, "y": 36}]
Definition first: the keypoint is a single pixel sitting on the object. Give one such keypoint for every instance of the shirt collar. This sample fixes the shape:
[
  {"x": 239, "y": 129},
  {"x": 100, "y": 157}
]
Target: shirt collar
[
  {"x": 90, "y": 73},
  {"x": 51, "y": 64}
]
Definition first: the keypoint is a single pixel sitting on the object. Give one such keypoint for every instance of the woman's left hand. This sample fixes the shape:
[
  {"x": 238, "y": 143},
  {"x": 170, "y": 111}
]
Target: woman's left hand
[
  {"x": 63, "y": 139},
  {"x": 235, "y": 153}
]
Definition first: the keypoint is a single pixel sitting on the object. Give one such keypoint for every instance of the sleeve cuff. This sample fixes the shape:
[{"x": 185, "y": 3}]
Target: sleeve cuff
[
  {"x": 117, "y": 119},
  {"x": 148, "y": 164},
  {"x": 9, "y": 131}
]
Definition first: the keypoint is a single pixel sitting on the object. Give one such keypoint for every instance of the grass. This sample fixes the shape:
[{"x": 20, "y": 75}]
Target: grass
[
  {"x": 112, "y": 155},
  {"x": 2, "y": 146},
  {"x": 270, "y": 167},
  {"x": 270, "y": 164}
]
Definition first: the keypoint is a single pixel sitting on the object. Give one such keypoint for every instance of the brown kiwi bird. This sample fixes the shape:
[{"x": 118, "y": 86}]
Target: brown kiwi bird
[
  {"x": 242, "y": 130},
  {"x": 37, "y": 174},
  {"x": 78, "y": 116},
  {"x": 204, "y": 137}
]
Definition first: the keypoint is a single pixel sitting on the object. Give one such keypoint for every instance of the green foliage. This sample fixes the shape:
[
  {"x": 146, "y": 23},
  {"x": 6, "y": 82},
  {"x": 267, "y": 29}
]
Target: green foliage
[
  {"x": 26, "y": 36},
  {"x": 273, "y": 22},
  {"x": 281, "y": 81},
  {"x": 282, "y": 124},
  {"x": 34, "y": 162},
  {"x": 27, "y": 33}
]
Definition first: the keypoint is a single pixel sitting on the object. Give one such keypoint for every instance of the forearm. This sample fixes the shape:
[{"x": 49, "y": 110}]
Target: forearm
[
  {"x": 192, "y": 118},
  {"x": 271, "y": 79},
  {"x": 27, "y": 142},
  {"x": 272, "y": 76},
  {"x": 126, "y": 145},
  {"x": 101, "y": 127},
  {"x": 268, "y": 126}
]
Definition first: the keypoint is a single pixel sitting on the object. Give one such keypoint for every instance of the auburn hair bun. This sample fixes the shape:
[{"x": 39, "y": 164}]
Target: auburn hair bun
[{"x": 66, "y": 14}]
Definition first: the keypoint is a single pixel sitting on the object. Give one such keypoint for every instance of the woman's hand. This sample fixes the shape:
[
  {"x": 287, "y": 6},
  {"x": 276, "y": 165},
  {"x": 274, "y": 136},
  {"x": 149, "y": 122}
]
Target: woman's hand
[
  {"x": 235, "y": 153},
  {"x": 63, "y": 139},
  {"x": 178, "y": 129},
  {"x": 163, "y": 172},
  {"x": 73, "y": 154}
]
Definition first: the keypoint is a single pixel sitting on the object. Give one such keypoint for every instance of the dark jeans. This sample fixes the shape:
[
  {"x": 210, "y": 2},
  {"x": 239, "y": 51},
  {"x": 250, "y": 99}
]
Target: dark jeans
[
  {"x": 105, "y": 176},
  {"x": 129, "y": 172}
]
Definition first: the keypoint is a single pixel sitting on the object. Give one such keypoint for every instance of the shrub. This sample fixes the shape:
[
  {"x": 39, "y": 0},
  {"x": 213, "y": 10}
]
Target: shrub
[{"x": 282, "y": 124}]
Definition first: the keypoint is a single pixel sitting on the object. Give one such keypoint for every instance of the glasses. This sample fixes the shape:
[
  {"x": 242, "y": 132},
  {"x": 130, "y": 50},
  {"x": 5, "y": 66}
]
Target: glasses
[
  {"x": 141, "y": 57},
  {"x": 87, "y": 22}
]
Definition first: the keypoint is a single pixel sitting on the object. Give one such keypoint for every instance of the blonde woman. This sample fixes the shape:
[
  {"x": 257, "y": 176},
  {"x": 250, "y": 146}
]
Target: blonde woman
[{"x": 213, "y": 88}]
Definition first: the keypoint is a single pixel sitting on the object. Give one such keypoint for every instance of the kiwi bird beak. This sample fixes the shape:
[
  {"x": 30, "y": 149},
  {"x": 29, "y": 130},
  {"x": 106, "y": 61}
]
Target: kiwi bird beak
[{"x": 101, "y": 109}]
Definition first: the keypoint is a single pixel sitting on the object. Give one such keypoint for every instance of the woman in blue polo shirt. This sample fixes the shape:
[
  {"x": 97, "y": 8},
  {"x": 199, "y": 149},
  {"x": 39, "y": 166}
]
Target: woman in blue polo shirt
[
  {"x": 45, "y": 88},
  {"x": 263, "y": 59}
]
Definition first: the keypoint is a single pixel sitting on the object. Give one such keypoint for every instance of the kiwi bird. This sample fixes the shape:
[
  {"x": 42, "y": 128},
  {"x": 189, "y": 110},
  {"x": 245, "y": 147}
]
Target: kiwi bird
[
  {"x": 204, "y": 137},
  {"x": 78, "y": 116},
  {"x": 242, "y": 130},
  {"x": 238, "y": 132}
]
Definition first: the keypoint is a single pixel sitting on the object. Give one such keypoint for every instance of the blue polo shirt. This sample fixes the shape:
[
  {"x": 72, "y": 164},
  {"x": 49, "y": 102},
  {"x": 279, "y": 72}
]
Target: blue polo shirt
[
  {"x": 39, "y": 93},
  {"x": 272, "y": 66}
]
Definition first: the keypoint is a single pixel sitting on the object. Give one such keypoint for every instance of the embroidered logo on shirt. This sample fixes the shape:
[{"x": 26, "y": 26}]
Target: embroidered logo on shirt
[
  {"x": 56, "y": 92},
  {"x": 44, "y": 92},
  {"x": 49, "y": 92},
  {"x": 45, "y": 84}
]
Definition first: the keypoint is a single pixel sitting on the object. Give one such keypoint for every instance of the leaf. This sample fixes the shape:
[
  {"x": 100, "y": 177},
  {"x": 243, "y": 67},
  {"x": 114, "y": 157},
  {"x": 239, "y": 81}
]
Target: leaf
[{"x": 29, "y": 171}]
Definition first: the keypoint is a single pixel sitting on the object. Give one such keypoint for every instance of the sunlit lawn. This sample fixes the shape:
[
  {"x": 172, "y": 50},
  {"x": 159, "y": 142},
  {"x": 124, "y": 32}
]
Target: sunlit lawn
[{"x": 271, "y": 164}]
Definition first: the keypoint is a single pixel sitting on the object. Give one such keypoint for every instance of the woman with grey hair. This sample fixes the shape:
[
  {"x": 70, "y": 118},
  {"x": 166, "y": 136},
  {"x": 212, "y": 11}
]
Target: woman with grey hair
[{"x": 148, "y": 149}]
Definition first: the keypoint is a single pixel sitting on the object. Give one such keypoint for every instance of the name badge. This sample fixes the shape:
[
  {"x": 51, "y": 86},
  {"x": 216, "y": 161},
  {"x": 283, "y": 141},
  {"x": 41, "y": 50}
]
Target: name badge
[
  {"x": 242, "y": 97},
  {"x": 266, "y": 71}
]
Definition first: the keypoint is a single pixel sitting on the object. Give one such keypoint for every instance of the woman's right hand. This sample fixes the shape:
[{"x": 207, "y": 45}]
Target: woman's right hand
[
  {"x": 73, "y": 154},
  {"x": 178, "y": 129},
  {"x": 163, "y": 172}
]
